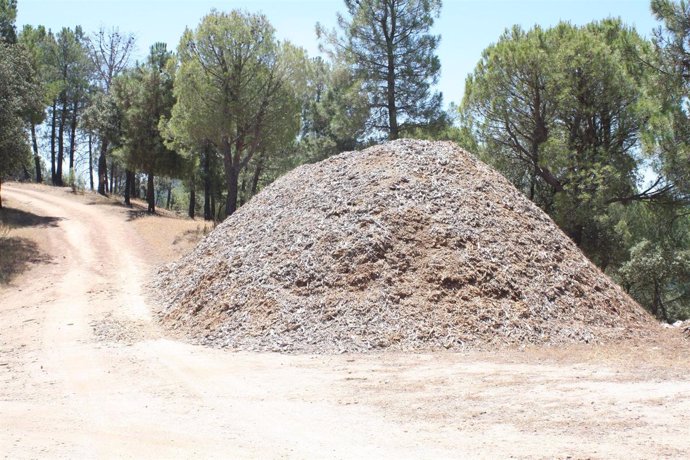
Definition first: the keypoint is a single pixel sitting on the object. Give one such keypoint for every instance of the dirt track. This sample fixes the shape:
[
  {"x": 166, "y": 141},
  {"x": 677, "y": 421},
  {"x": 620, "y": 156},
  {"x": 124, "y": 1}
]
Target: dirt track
[{"x": 86, "y": 373}]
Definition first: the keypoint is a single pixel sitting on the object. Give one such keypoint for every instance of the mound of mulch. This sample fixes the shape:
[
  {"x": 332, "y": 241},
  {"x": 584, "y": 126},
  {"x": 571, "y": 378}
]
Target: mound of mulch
[{"x": 410, "y": 245}]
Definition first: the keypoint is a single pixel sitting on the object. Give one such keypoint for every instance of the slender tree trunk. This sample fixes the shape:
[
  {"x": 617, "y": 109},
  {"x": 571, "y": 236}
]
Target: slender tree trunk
[
  {"x": 242, "y": 192},
  {"x": 53, "y": 179},
  {"x": 658, "y": 307},
  {"x": 213, "y": 205},
  {"x": 532, "y": 183},
  {"x": 90, "y": 162},
  {"x": 150, "y": 194},
  {"x": 192, "y": 199},
  {"x": 169, "y": 197},
  {"x": 37, "y": 158},
  {"x": 61, "y": 141},
  {"x": 257, "y": 174},
  {"x": 112, "y": 177},
  {"x": 232, "y": 179},
  {"x": 134, "y": 192},
  {"x": 390, "y": 90},
  {"x": 207, "y": 185},
  {"x": 0, "y": 192},
  {"x": 102, "y": 168},
  {"x": 128, "y": 186},
  {"x": 73, "y": 136}
]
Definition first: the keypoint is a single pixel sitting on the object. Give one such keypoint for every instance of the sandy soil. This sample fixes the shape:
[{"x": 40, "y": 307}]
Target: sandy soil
[{"x": 85, "y": 372}]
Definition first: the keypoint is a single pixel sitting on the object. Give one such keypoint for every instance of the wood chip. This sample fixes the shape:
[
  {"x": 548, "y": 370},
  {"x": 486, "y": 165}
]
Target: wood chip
[{"x": 410, "y": 245}]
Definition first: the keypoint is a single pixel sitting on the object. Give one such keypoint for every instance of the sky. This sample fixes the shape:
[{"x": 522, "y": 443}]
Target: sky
[{"x": 466, "y": 26}]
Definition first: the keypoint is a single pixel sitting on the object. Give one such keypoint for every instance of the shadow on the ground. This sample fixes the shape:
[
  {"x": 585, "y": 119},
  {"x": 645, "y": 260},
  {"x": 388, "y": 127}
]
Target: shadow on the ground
[
  {"x": 134, "y": 214},
  {"x": 15, "y": 218},
  {"x": 17, "y": 255},
  {"x": 134, "y": 211}
]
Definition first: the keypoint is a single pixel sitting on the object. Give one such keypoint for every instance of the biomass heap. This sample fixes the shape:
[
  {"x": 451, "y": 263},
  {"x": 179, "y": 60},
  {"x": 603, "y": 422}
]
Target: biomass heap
[{"x": 409, "y": 245}]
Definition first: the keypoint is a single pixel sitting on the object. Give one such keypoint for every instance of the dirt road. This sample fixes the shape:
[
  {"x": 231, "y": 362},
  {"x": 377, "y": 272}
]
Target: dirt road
[{"x": 85, "y": 372}]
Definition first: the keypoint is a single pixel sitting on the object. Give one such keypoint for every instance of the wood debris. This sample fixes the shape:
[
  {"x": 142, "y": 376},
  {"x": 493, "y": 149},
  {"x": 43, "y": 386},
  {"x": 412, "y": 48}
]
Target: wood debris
[{"x": 410, "y": 245}]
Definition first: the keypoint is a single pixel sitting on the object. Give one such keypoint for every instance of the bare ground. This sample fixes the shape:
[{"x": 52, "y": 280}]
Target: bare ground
[{"x": 86, "y": 373}]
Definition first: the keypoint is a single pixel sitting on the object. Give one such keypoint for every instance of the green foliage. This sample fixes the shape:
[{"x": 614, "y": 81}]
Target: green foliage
[
  {"x": 334, "y": 115},
  {"x": 238, "y": 92},
  {"x": 8, "y": 17},
  {"x": 387, "y": 46},
  {"x": 144, "y": 96},
  {"x": 76, "y": 183},
  {"x": 70, "y": 56},
  {"x": 566, "y": 114},
  {"x": 562, "y": 112},
  {"x": 657, "y": 273},
  {"x": 103, "y": 116},
  {"x": 19, "y": 95},
  {"x": 670, "y": 142},
  {"x": 36, "y": 41}
]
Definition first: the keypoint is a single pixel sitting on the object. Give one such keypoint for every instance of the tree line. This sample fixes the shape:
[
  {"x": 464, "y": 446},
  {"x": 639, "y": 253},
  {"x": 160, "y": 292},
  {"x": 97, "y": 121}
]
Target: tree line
[
  {"x": 228, "y": 111},
  {"x": 590, "y": 122}
]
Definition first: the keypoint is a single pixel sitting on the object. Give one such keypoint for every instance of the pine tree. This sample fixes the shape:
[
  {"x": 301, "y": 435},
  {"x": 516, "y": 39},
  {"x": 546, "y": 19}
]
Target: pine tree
[
  {"x": 8, "y": 16},
  {"x": 389, "y": 48},
  {"x": 235, "y": 91}
]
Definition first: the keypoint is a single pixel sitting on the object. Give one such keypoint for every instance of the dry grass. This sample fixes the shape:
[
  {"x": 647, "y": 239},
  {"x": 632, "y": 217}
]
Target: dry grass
[{"x": 169, "y": 238}]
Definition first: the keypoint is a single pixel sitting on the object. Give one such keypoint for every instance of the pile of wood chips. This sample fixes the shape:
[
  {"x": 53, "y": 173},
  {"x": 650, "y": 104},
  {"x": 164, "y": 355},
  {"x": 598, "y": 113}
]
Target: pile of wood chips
[{"x": 410, "y": 245}]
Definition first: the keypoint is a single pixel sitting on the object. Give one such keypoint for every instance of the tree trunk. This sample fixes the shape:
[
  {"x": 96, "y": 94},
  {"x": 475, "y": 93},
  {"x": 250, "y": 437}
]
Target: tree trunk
[
  {"x": 61, "y": 141},
  {"x": 390, "y": 86},
  {"x": 658, "y": 308},
  {"x": 533, "y": 182},
  {"x": 207, "y": 186},
  {"x": 37, "y": 158},
  {"x": 134, "y": 192},
  {"x": 73, "y": 137},
  {"x": 128, "y": 186},
  {"x": 257, "y": 174},
  {"x": 150, "y": 194},
  {"x": 232, "y": 176},
  {"x": 112, "y": 177},
  {"x": 192, "y": 199},
  {"x": 242, "y": 193},
  {"x": 0, "y": 192},
  {"x": 169, "y": 198},
  {"x": 90, "y": 162},
  {"x": 102, "y": 168},
  {"x": 52, "y": 143},
  {"x": 232, "y": 179},
  {"x": 213, "y": 205}
]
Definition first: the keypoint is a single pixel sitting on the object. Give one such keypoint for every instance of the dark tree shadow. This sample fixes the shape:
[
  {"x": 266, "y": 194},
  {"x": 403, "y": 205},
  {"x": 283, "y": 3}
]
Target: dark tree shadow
[
  {"x": 17, "y": 255},
  {"x": 108, "y": 203},
  {"x": 134, "y": 211},
  {"x": 134, "y": 214},
  {"x": 15, "y": 218}
]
